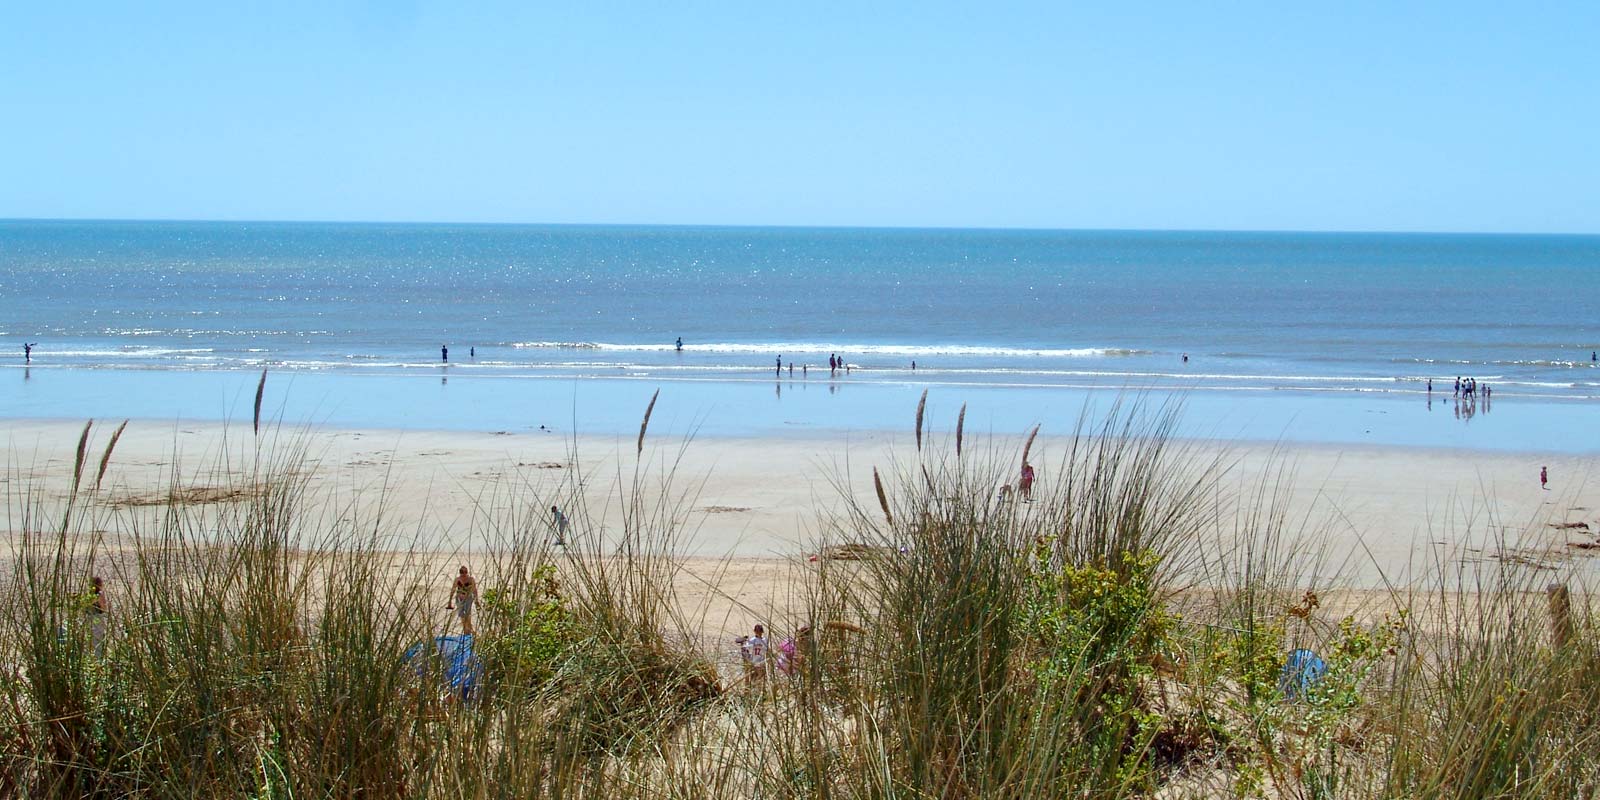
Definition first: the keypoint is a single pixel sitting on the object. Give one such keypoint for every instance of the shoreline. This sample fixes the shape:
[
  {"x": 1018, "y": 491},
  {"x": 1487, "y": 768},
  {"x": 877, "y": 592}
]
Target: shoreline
[{"x": 819, "y": 408}]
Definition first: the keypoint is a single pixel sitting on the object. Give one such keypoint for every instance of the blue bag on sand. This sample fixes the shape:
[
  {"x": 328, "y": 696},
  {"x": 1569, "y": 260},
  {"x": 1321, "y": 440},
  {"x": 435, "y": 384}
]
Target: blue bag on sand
[
  {"x": 1302, "y": 671},
  {"x": 462, "y": 669}
]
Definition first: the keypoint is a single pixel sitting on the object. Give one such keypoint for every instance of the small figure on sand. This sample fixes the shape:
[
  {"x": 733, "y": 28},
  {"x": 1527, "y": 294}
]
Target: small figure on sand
[
  {"x": 27, "y": 352},
  {"x": 680, "y": 344},
  {"x": 753, "y": 649},
  {"x": 1025, "y": 484},
  {"x": 1544, "y": 478},
  {"x": 444, "y": 353},
  {"x": 559, "y": 521},
  {"x": 463, "y": 593},
  {"x": 97, "y": 608}
]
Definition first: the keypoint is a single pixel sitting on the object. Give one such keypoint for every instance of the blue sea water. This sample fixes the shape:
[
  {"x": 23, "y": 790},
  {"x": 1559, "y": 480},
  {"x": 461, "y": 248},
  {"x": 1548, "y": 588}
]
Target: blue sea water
[{"x": 170, "y": 318}]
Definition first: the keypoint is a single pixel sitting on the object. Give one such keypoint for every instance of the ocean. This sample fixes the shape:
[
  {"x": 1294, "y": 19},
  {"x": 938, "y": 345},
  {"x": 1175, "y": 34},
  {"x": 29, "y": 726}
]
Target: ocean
[{"x": 1027, "y": 319}]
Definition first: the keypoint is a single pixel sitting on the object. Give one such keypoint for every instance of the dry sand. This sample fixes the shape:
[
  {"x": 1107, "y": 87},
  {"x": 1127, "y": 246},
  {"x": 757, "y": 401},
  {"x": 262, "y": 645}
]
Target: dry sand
[{"x": 755, "y": 507}]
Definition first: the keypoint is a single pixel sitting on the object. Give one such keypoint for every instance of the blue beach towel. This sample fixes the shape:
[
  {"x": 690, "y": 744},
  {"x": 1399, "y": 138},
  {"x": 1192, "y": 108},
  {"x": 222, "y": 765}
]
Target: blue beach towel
[
  {"x": 1302, "y": 671},
  {"x": 461, "y": 667}
]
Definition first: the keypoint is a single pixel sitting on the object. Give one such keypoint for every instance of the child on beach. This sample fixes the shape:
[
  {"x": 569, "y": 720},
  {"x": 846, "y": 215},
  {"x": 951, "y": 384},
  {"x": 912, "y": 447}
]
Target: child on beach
[
  {"x": 753, "y": 649},
  {"x": 1025, "y": 485},
  {"x": 1544, "y": 478}
]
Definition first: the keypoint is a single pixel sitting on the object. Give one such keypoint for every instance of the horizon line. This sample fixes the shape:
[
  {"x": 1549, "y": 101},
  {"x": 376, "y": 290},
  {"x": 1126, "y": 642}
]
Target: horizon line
[{"x": 794, "y": 226}]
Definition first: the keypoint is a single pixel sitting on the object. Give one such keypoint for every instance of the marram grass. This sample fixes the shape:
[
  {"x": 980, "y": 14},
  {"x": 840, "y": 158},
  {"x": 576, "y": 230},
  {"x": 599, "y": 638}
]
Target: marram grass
[{"x": 1094, "y": 643}]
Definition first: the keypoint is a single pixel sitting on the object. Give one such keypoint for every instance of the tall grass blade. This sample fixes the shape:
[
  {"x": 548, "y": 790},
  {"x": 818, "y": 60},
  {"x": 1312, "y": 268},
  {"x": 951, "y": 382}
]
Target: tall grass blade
[
  {"x": 261, "y": 388},
  {"x": 961, "y": 424},
  {"x": 105, "y": 459},
  {"x": 83, "y": 449},
  {"x": 1028, "y": 445},
  {"x": 883, "y": 498},
  {"x": 922, "y": 407},
  {"x": 645, "y": 424}
]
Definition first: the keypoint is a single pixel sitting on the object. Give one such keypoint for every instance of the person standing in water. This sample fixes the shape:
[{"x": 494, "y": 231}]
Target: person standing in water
[
  {"x": 780, "y": 366},
  {"x": 463, "y": 593},
  {"x": 680, "y": 344},
  {"x": 472, "y": 352},
  {"x": 444, "y": 353},
  {"x": 27, "y": 353}
]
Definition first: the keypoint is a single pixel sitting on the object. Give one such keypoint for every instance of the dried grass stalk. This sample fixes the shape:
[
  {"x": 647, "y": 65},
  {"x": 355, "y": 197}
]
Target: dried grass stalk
[
  {"x": 261, "y": 388},
  {"x": 645, "y": 425},
  {"x": 922, "y": 407},
  {"x": 83, "y": 448},
  {"x": 105, "y": 459},
  {"x": 883, "y": 498},
  {"x": 961, "y": 423},
  {"x": 1028, "y": 445}
]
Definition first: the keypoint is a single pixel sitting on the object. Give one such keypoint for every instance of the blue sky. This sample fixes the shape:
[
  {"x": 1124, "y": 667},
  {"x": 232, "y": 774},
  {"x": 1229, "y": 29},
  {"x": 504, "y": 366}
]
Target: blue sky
[{"x": 1345, "y": 116}]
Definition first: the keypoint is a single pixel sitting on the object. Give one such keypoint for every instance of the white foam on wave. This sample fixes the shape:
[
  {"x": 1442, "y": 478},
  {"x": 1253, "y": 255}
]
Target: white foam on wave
[{"x": 771, "y": 348}]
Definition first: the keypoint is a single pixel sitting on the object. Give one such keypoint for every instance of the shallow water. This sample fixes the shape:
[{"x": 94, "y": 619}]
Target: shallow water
[{"x": 1309, "y": 337}]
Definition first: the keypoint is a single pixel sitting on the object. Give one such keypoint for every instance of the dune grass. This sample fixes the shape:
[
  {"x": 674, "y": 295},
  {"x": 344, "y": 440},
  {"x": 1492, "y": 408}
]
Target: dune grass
[{"x": 1122, "y": 635}]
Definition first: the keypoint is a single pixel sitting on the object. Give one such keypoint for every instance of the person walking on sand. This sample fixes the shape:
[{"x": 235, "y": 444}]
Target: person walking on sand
[
  {"x": 463, "y": 594},
  {"x": 559, "y": 520},
  {"x": 444, "y": 353},
  {"x": 1544, "y": 478},
  {"x": 1025, "y": 484}
]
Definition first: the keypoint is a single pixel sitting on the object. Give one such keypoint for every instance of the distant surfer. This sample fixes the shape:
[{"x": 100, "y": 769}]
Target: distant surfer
[
  {"x": 913, "y": 366},
  {"x": 472, "y": 352},
  {"x": 444, "y": 353},
  {"x": 1185, "y": 358},
  {"x": 27, "y": 352},
  {"x": 680, "y": 344}
]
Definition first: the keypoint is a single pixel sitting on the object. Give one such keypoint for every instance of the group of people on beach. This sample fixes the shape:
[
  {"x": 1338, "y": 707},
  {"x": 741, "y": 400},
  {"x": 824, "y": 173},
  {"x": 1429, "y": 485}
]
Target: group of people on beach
[
  {"x": 835, "y": 363},
  {"x": 1468, "y": 388}
]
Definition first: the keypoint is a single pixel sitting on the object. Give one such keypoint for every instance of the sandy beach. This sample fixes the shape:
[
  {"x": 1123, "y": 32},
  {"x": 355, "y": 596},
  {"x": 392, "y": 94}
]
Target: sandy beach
[{"x": 753, "y": 508}]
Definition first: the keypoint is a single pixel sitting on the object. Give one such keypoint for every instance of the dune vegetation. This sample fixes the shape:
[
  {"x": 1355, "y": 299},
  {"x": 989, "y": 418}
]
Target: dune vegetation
[{"x": 1135, "y": 629}]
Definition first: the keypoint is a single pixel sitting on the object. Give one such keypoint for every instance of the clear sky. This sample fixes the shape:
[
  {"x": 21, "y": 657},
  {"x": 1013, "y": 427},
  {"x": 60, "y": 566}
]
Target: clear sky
[{"x": 1460, "y": 116}]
